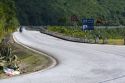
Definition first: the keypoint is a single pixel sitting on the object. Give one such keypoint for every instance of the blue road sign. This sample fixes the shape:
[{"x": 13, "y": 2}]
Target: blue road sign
[{"x": 88, "y": 24}]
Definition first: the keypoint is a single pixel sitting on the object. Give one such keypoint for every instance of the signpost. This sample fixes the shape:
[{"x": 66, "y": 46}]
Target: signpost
[
  {"x": 88, "y": 24},
  {"x": 74, "y": 20}
]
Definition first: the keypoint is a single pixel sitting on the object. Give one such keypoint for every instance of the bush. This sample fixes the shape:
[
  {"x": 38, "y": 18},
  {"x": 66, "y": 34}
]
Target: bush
[
  {"x": 7, "y": 59},
  {"x": 102, "y": 33}
]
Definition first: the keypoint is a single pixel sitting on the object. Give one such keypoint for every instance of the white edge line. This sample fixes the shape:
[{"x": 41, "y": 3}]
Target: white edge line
[{"x": 54, "y": 61}]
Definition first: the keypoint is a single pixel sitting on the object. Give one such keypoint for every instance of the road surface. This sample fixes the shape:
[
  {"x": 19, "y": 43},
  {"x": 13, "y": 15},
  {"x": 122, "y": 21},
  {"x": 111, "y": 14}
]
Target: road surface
[{"x": 77, "y": 62}]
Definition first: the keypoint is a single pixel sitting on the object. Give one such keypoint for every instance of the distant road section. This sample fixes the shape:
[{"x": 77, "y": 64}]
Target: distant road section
[{"x": 78, "y": 62}]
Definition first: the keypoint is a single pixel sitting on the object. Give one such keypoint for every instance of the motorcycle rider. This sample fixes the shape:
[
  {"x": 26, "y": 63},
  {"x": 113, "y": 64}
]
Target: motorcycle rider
[{"x": 20, "y": 29}]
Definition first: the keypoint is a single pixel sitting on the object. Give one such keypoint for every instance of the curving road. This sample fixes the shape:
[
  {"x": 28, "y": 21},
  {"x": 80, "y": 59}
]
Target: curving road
[{"x": 78, "y": 62}]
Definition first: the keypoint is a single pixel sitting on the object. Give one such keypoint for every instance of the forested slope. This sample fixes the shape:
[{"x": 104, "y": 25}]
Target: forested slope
[{"x": 53, "y": 12}]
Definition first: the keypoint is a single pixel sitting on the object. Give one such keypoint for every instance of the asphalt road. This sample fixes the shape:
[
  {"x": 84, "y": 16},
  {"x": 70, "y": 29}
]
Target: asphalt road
[{"x": 77, "y": 62}]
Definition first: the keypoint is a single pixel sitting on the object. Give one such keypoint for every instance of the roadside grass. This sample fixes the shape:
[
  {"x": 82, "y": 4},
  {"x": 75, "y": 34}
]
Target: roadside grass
[
  {"x": 113, "y": 41},
  {"x": 116, "y": 41},
  {"x": 29, "y": 61},
  {"x": 115, "y": 35}
]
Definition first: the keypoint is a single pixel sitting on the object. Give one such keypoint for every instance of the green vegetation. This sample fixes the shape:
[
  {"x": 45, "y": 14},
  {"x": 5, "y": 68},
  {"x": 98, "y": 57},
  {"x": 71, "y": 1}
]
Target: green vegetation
[
  {"x": 73, "y": 32},
  {"x": 8, "y": 20},
  {"x": 116, "y": 41},
  {"x": 114, "y": 35},
  {"x": 7, "y": 59},
  {"x": 58, "y": 12}
]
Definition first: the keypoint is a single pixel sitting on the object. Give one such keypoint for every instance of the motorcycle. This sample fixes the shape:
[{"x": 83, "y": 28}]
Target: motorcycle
[{"x": 20, "y": 30}]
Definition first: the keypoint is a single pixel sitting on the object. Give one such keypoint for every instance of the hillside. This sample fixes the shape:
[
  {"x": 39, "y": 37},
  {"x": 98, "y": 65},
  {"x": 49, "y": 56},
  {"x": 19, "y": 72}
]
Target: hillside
[
  {"x": 52, "y": 12},
  {"x": 8, "y": 19}
]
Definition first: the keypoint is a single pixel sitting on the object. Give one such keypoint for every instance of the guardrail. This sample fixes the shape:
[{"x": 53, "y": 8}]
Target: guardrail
[{"x": 73, "y": 39}]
